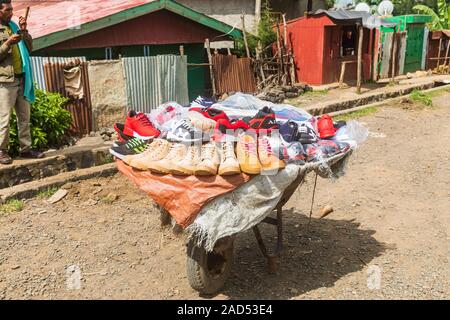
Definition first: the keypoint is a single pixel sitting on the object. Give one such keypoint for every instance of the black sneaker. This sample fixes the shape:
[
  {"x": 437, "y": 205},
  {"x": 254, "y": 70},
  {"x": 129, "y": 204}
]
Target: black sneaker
[
  {"x": 132, "y": 147},
  {"x": 306, "y": 134}
]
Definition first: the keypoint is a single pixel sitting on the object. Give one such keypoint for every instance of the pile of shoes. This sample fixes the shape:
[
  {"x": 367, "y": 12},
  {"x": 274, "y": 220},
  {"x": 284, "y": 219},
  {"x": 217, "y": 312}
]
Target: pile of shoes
[{"x": 202, "y": 140}]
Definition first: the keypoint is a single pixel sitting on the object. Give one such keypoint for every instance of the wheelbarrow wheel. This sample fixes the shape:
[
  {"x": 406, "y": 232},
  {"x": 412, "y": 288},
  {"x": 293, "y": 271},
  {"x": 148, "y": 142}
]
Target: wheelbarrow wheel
[{"x": 208, "y": 271}]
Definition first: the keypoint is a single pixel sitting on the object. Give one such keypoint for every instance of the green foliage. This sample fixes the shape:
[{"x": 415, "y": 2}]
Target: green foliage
[
  {"x": 441, "y": 15},
  {"x": 421, "y": 98},
  {"x": 266, "y": 33},
  {"x": 11, "y": 206},
  {"x": 48, "y": 122},
  {"x": 356, "y": 114},
  {"x": 44, "y": 194}
]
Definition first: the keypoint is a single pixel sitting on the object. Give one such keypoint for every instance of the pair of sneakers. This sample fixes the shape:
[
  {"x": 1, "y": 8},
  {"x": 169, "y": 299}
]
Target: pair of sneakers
[
  {"x": 258, "y": 155},
  {"x": 181, "y": 159}
]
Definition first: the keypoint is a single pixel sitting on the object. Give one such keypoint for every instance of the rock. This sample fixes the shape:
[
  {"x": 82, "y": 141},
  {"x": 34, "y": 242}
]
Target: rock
[
  {"x": 110, "y": 198},
  {"x": 58, "y": 196},
  {"x": 15, "y": 267},
  {"x": 90, "y": 203}
]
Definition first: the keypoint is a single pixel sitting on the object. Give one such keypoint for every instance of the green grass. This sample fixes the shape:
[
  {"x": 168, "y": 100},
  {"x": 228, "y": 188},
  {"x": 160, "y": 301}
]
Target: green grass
[
  {"x": 356, "y": 114},
  {"x": 44, "y": 194},
  {"x": 11, "y": 206},
  {"x": 316, "y": 92},
  {"x": 437, "y": 93},
  {"x": 109, "y": 158},
  {"x": 421, "y": 98}
]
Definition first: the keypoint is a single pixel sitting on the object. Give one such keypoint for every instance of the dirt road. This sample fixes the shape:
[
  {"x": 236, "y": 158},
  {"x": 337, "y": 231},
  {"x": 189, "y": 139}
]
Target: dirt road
[{"x": 389, "y": 237}]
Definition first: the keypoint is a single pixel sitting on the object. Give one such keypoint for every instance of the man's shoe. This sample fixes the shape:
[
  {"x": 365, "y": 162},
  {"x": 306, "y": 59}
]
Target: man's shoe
[
  {"x": 247, "y": 154},
  {"x": 228, "y": 162},
  {"x": 5, "y": 158},
  {"x": 32, "y": 154}
]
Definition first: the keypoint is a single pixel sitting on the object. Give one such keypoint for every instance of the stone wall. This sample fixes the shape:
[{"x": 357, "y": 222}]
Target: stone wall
[
  {"x": 108, "y": 93},
  {"x": 31, "y": 170},
  {"x": 229, "y": 11}
]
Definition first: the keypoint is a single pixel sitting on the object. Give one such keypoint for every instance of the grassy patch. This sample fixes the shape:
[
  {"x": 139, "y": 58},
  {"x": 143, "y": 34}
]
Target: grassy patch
[
  {"x": 11, "y": 206},
  {"x": 109, "y": 158},
  {"x": 437, "y": 93},
  {"x": 316, "y": 92},
  {"x": 421, "y": 98},
  {"x": 44, "y": 194},
  {"x": 356, "y": 114}
]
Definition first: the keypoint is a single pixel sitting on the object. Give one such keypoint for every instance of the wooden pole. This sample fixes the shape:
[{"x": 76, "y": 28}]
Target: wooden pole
[
  {"x": 27, "y": 11},
  {"x": 360, "y": 45},
  {"x": 247, "y": 50},
  {"x": 182, "y": 51},
  {"x": 280, "y": 58},
  {"x": 439, "y": 52},
  {"x": 446, "y": 53},
  {"x": 394, "y": 55},
  {"x": 211, "y": 71},
  {"x": 341, "y": 78}
]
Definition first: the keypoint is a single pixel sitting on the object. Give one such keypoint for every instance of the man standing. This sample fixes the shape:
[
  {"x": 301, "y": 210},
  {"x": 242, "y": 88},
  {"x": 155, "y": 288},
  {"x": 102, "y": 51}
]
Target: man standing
[{"x": 16, "y": 84}]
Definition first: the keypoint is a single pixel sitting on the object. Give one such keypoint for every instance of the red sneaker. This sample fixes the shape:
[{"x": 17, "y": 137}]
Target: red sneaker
[
  {"x": 264, "y": 120},
  {"x": 211, "y": 113},
  {"x": 122, "y": 137},
  {"x": 137, "y": 125}
]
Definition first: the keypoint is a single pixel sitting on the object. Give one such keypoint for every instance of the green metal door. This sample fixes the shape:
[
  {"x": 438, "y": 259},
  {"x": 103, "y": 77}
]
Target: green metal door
[{"x": 414, "y": 47}]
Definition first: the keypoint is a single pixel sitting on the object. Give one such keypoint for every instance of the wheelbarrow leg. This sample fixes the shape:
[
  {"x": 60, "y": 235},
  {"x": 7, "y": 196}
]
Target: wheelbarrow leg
[{"x": 272, "y": 257}]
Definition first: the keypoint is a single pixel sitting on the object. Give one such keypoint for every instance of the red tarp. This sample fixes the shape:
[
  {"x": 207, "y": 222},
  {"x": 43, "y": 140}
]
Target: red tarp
[{"x": 182, "y": 197}]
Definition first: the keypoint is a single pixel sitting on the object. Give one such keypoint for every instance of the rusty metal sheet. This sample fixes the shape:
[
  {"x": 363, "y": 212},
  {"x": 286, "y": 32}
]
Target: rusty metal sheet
[
  {"x": 233, "y": 74},
  {"x": 80, "y": 109}
]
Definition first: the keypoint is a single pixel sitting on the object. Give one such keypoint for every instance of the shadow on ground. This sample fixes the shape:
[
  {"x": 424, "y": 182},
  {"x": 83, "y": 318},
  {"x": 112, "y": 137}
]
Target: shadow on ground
[{"x": 313, "y": 257}]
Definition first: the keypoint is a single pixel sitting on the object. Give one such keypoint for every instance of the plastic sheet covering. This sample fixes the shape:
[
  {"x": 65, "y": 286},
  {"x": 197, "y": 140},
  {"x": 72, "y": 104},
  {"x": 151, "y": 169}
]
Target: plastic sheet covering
[
  {"x": 251, "y": 203},
  {"x": 182, "y": 197}
]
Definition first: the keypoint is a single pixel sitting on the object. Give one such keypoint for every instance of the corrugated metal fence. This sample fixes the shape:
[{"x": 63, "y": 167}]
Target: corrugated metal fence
[
  {"x": 151, "y": 81},
  {"x": 233, "y": 74},
  {"x": 37, "y": 63},
  {"x": 80, "y": 109}
]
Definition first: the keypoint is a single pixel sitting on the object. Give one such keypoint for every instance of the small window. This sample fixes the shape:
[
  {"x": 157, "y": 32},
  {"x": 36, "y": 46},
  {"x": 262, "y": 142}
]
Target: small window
[
  {"x": 348, "y": 43},
  {"x": 108, "y": 53},
  {"x": 146, "y": 51}
]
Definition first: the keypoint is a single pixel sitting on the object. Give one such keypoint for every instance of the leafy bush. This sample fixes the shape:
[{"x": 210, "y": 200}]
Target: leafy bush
[
  {"x": 266, "y": 33},
  {"x": 48, "y": 123}
]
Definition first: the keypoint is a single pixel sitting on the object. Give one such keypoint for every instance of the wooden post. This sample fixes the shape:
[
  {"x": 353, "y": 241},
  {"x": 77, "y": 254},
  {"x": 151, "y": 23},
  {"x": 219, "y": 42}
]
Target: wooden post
[
  {"x": 211, "y": 71},
  {"x": 229, "y": 51},
  {"x": 182, "y": 51},
  {"x": 247, "y": 50},
  {"x": 446, "y": 53},
  {"x": 360, "y": 45},
  {"x": 341, "y": 78},
  {"x": 439, "y": 53},
  {"x": 280, "y": 57},
  {"x": 394, "y": 55}
]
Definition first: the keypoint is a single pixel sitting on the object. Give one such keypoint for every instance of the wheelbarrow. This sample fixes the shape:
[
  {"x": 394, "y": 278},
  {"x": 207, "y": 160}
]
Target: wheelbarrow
[{"x": 207, "y": 272}]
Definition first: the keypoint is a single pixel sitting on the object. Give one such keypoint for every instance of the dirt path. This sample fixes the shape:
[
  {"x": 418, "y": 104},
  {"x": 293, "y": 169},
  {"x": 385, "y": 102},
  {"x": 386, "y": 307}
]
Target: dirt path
[{"x": 391, "y": 227}]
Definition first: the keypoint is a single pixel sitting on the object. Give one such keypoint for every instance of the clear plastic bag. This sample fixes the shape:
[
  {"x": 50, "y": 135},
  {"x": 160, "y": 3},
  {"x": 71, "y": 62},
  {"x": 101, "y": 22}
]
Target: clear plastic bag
[{"x": 161, "y": 117}]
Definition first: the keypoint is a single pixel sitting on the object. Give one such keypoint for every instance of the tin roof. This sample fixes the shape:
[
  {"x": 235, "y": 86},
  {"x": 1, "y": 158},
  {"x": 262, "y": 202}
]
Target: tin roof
[{"x": 51, "y": 22}]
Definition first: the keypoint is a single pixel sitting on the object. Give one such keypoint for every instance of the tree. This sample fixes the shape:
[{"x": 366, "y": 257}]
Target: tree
[{"x": 441, "y": 17}]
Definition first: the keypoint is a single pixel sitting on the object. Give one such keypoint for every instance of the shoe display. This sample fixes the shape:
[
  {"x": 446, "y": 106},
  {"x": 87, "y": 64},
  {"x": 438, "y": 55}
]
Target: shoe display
[
  {"x": 157, "y": 150},
  {"x": 122, "y": 137},
  {"x": 269, "y": 155},
  {"x": 183, "y": 131},
  {"x": 209, "y": 160},
  {"x": 211, "y": 113},
  {"x": 247, "y": 154},
  {"x": 139, "y": 126},
  {"x": 132, "y": 147},
  {"x": 264, "y": 120},
  {"x": 177, "y": 152},
  {"x": 186, "y": 166},
  {"x": 229, "y": 164}
]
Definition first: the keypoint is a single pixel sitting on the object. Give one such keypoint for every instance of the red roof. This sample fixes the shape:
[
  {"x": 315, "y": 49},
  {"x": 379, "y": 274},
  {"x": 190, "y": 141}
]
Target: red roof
[{"x": 47, "y": 17}]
